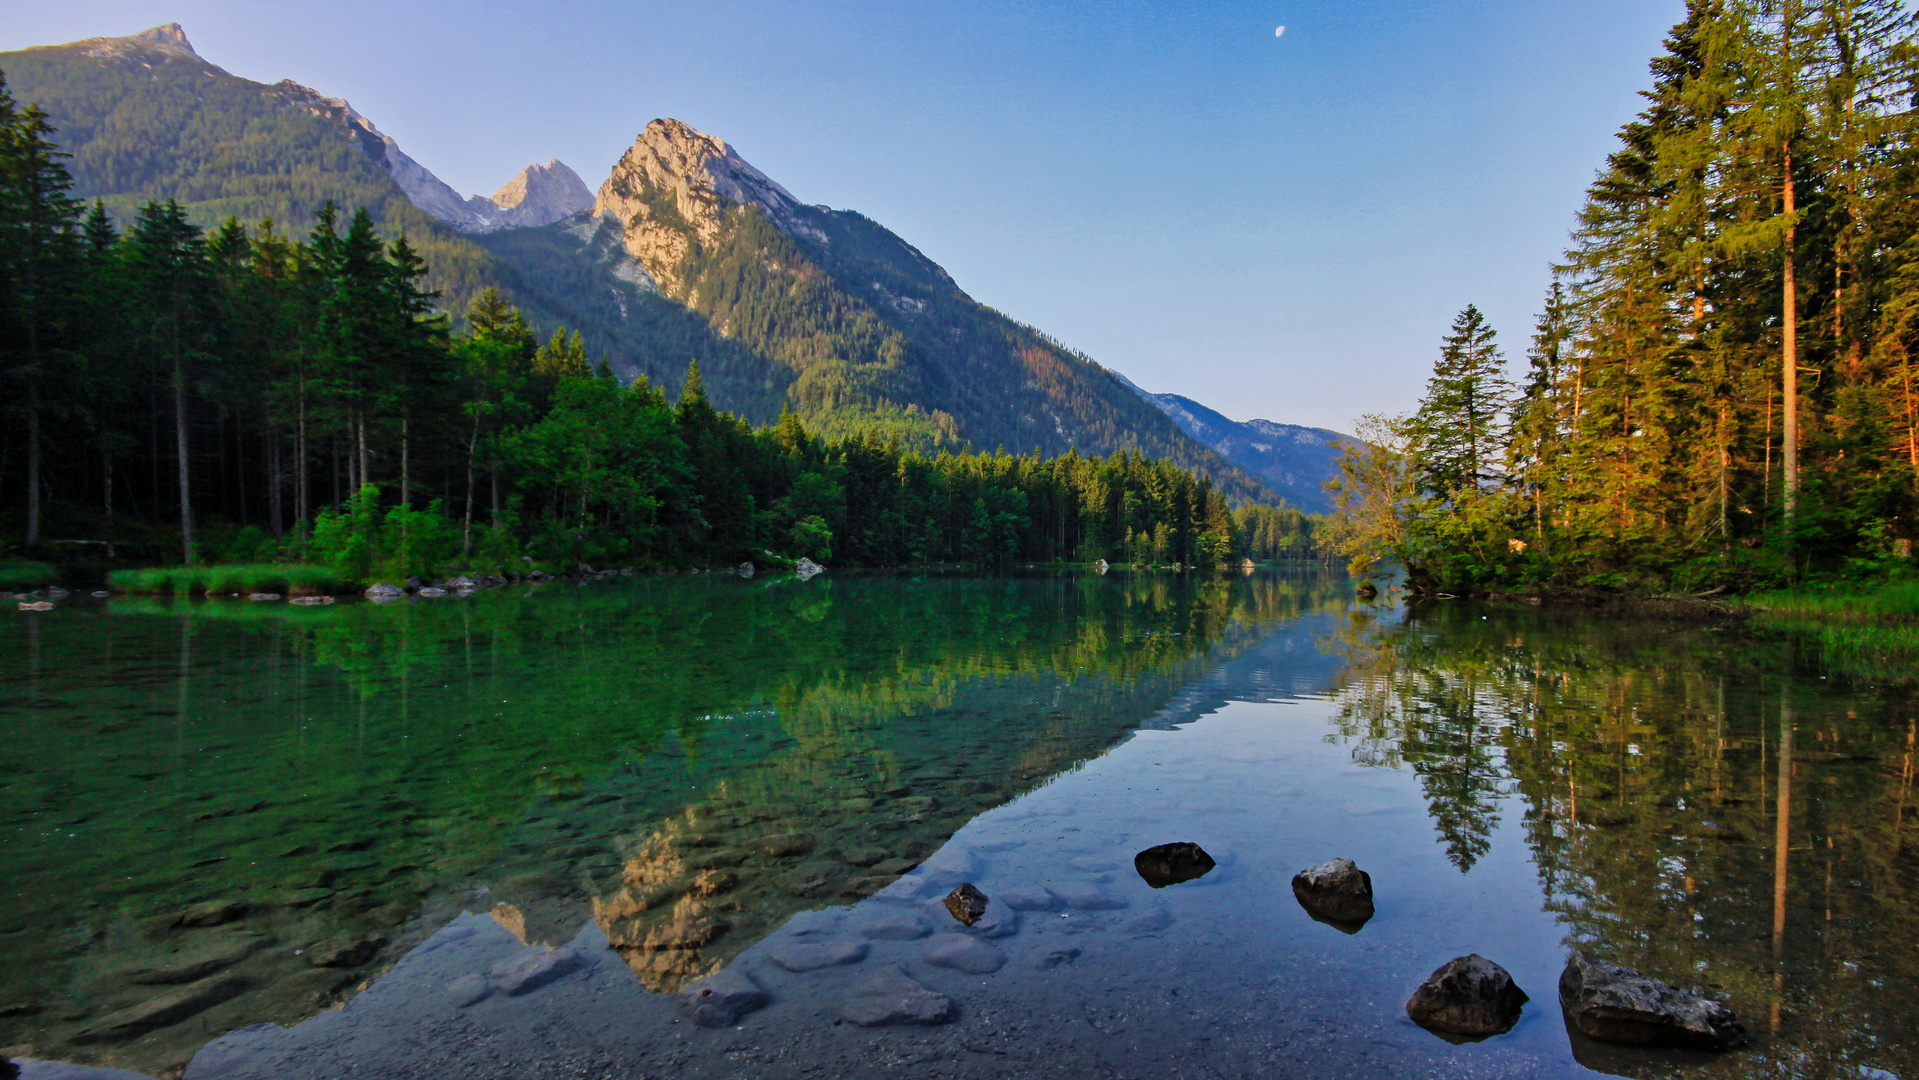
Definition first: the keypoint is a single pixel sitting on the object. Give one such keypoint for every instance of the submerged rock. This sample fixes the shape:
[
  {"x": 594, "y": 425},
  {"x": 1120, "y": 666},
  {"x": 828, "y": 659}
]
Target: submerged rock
[
  {"x": 1170, "y": 864},
  {"x": 889, "y": 996},
  {"x": 1469, "y": 996},
  {"x": 163, "y": 1011},
  {"x": 966, "y": 903},
  {"x": 962, "y": 953},
  {"x": 811, "y": 956},
  {"x": 212, "y": 913},
  {"x": 720, "y": 999},
  {"x": 1037, "y": 898},
  {"x": 902, "y": 927},
  {"x": 529, "y": 973},
  {"x": 1087, "y": 898},
  {"x": 780, "y": 845},
  {"x": 1336, "y": 890},
  {"x": 1619, "y": 1005}
]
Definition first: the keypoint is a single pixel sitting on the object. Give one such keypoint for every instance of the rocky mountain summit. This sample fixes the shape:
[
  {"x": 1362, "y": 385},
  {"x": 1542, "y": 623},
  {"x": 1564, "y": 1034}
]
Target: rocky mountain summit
[
  {"x": 539, "y": 195},
  {"x": 170, "y": 39}
]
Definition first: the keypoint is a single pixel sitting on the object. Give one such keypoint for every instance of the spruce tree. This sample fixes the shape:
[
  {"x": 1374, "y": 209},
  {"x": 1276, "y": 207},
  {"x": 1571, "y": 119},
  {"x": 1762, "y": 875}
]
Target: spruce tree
[{"x": 1460, "y": 423}]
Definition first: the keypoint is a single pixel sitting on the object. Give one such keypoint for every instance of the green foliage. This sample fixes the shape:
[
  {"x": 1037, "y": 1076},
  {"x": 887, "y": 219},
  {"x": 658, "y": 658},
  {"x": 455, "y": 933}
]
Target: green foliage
[
  {"x": 17, "y": 573},
  {"x": 286, "y": 579}
]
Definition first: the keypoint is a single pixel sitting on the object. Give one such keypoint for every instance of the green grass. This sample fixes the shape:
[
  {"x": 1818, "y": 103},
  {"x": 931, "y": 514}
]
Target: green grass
[
  {"x": 19, "y": 573},
  {"x": 293, "y": 579},
  {"x": 1859, "y": 628}
]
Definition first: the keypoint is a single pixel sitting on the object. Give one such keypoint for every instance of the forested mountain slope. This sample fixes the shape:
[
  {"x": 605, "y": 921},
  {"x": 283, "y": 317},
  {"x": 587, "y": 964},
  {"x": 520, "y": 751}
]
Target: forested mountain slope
[
  {"x": 1295, "y": 461},
  {"x": 688, "y": 254}
]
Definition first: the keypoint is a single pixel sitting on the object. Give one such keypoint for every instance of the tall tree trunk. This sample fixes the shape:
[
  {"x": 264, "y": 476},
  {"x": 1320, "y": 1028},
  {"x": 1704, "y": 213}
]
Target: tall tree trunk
[
  {"x": 180, "y": 446},
  {"x": 106, "y": 461},
  {"x": 1789, "y": 334},
  {"x": 466, "y": 529},
  {"x": 406, "y": 478},
  {"x": 276, "y": 481},
  {"x": 302, "y": 505},
  {"x": 33, "y": 449},
  {"x": 360, "y": 426}
]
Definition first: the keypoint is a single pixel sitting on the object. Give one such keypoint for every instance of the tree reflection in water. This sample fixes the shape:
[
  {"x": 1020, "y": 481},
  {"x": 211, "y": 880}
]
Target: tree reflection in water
[{"x": 1700, "y": 804}]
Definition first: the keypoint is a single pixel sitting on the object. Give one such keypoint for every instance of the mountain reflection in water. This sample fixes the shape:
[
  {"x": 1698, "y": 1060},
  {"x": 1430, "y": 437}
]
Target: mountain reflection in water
[{"x": 688, "y": 762}]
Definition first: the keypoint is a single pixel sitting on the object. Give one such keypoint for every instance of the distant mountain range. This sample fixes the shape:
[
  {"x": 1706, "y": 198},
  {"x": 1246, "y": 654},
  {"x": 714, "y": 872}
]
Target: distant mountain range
[{"x": 685, "y": 252}]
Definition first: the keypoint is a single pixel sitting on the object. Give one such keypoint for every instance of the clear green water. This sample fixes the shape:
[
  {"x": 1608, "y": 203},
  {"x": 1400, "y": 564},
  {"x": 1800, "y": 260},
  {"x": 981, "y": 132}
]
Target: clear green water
[{"x": 688, "y": 762}]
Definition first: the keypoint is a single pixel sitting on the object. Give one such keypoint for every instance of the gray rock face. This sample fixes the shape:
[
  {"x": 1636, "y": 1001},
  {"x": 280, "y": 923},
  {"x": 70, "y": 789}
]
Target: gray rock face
[
  {"x": 890, "y": 997},
  {"x": 1170, "y": 864},
  {"x": 810, "y": 956},
  {"x": 1336, "y": 890},
  {"x": 1469, "y": 996},
  {"x": 1619, "y": 1005},
  {"x": 720, "y": 999},
  {"x": 966, "y": 903},
  {"x": 538, "y": 195},
  {"x": 962, "y": 953},
  {"x": 529, "y": 973}
]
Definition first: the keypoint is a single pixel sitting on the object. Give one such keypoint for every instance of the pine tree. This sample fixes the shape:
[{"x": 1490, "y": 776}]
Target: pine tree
[{"x": 1460, "y": 423}]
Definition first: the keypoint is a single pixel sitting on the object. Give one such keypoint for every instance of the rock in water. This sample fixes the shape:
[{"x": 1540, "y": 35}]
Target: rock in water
[
  {"x": 966, "y": 903},
  {"x": 746, "y": 569},
  {"x": 469, "y": 989},
  {"x": 962, "y": 953},
  {"x": 1469, "y": 996},
  {"x": 1336, "y": 890},
  {"x": 163, "y": 1011},
  {"x": 1170, "y": 864},
  {"x": 1037, "y": 898},
  {"x": 380, "y": 589},
  {"x": 720, "y": 999},
  {"x": 810, "y": 956},
  {"x": 889, "y": 996},
  {"x": 529, "y": 973},
  {"x": 904, "y": 927},
  {"x": 1619, "y": 1005}
]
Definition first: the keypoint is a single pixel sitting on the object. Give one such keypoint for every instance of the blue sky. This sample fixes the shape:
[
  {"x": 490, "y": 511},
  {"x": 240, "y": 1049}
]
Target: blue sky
[{"x": 1280, "y": 227}]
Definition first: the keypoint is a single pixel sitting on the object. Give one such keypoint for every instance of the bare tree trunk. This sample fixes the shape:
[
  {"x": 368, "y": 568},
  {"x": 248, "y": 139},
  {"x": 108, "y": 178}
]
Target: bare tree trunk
[
  {"x": 33, "y": 450},
  {"x": 106, "y": 461},
  {"x": 180, "y": 446},
  {"x": 360, "y": 416}
]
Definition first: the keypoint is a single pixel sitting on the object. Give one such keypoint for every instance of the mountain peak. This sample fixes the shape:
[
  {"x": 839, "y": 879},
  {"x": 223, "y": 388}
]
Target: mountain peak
[
  {"x": 548, "y": 192},
  {"x": 169, "y": 36},
  {"x": 699, "y": 169}
]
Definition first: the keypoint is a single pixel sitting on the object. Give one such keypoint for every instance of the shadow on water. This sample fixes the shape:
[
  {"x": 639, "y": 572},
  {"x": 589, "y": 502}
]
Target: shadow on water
[{"x": 226, "y": 813}]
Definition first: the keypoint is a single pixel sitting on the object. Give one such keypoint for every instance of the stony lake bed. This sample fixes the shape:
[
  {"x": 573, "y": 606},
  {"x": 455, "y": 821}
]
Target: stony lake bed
[{"x": 512, "y": 834}]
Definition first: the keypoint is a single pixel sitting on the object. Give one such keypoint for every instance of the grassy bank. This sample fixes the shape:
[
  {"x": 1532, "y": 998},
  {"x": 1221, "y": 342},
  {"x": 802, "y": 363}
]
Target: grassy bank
[
  {"x": 1856, "y": 626},
  {"x": 17, "y": 574},
  {"x": 290, "y": 579}
]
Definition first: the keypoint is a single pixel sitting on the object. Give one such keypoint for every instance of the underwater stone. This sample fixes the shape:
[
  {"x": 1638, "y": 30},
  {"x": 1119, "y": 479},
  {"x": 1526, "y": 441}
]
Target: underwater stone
[
  {"x": 891, "y": 997},
  {"x": 469, "y": 989},
  {"x": 529, "y": 973},
  {"x": 904, "y": 927},
  {"x": 1469, "y": 995},
  {"x": 962, "y": 953},
  {"x": 1619, "y": 1005},
  {"x": 1034, "y": 899},
  {"x": 811, "y": 956},
  {"x": 720, "y": 999},
  {"x": 1336, "y": 890},
  {"x": 1087, "y": 898},
  {"x": 780, "y": 845},
  {"x": 167, "y": 1009}
]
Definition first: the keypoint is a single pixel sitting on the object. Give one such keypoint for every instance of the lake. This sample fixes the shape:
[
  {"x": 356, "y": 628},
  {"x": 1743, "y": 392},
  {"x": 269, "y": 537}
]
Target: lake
[{"x": 253, "y": 840}]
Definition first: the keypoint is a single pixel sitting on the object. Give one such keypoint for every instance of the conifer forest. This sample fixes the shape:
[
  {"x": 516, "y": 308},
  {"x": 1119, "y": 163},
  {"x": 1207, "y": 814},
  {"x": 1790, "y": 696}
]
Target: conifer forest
[
  {"x": 290, "y": 392},
  {"x": 1719, "y": 390}
]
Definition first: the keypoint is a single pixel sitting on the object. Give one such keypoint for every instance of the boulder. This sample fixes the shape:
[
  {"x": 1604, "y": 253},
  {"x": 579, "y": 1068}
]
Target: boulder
[
  {"x": 469, "y": 989},
  {"x": 432, "y": 591},
  {"x": 1170, "y": 864},
  {"x": 966, "y": 903},
  {"x": 382, "y": 589},
  {"x": 720, "y": 999},
  {"x": 1336, "y": 890},
  {"x": 1468, "y": 996},
  {"x": 962, "y": 953},
  {"x": 811, "y": 956},
  {"x": 462, "y": 582},
  {"x": 1619, "y": 1005},
  {"x": 263, "y": 596},
  {"x": 889, "y": 997},
  {"x": 807, "y": 569},
  {"x": 746, "y": 569},
  {"x": 212, "y": 913}
]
